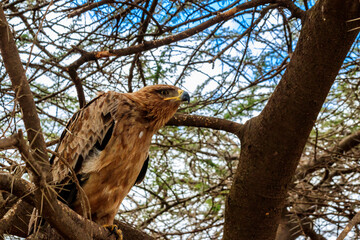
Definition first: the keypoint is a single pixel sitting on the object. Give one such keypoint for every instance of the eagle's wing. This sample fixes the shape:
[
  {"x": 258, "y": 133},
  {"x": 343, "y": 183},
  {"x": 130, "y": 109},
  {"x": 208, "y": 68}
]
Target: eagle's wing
[
  {"x": 89, "y": 130},
  {"x": 142, "y": 173},
  {"x": 86, "y": 135}
]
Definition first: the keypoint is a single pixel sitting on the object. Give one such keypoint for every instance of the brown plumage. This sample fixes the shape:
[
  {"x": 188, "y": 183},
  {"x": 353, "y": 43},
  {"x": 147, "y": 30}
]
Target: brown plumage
[{"x": 106, "y": 144}]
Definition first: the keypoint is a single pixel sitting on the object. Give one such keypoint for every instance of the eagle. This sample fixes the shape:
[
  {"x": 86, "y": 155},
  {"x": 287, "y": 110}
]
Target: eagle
[{"x": 106, "y": 146}]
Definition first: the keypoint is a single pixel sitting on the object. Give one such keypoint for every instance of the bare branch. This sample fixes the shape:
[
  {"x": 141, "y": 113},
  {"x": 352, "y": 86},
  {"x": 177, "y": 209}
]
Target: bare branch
[
  {"x": 185, "y": 34},
  {"x": 31, "y": 163},
  {"x": 348, "y": 143},
  {"x": 247, "y": 31},
  {"x": 206, "y": 122},
  {"x": 131, "y": 233},
  {"x": 86, "y": 7},
  {"x": 78, "y": 85},
  {"x": 327, "y": 159},
  {"x": 148, "y": 45},
  {"x": 22, "y": 90}
]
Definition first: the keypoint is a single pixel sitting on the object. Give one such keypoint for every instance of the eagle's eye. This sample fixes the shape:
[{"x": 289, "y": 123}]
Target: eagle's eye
[{"x": 164, "y": 92}]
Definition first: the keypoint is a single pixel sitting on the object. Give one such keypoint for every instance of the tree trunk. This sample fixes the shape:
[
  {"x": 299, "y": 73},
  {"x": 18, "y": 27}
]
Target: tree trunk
[{"x": 272, "y": 143}]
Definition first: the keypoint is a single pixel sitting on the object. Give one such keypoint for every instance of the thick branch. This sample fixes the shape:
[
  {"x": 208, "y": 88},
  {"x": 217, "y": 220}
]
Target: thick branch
[
  {"x": 131, "y": 233},
  {"x": 19, "y": 225},
  {"x": 272, "y": 143},
  {"x": 8, "y": 143},
  {"x": 18, "y": 187},
  {"x": 45, "y": 199},
  {"x": 206, "y": 122},
  {"x": 10, "y": 218},
  {"x": 50, "y": 208},
  {"x": 72, "y": 68},
  {"x": 28, "y": 158},
  {"x": 24, "y": 190}
]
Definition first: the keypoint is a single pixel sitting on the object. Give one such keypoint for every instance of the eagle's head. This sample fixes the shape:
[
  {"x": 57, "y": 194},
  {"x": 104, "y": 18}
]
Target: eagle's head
[{"x": 160, "y": 102}]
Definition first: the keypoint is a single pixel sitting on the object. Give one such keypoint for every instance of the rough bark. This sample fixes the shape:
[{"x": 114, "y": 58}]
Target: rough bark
[{"x": 272, "y": 143}]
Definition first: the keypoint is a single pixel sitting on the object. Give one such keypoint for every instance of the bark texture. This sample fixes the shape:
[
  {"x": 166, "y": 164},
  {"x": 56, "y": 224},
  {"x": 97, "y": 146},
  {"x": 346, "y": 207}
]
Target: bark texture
[{"x": 272, "y": 143}]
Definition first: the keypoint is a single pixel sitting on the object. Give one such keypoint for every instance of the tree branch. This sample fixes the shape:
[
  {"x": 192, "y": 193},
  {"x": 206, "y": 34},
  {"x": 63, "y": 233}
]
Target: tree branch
[
  {"x": 148, "y": 45},
  {"x": 349, "y": 226},
  {"x": 20, "y": 223},
  {"x": 263, "y": 12},
  {"x": 72, "y": 68},
  {"x": 22, "y": 90},
  {"x": 131, "y": 233},
  {"x": 348, "y": 143},
  {"x": 206, "y": 122},
  {"x": 8, "y": 143},
  {"x": 78, "y": 85},
  {"x": 327, "y": 159},
  {"x": 25, "y": 190},
  {"x": 293, "y": 225},
  {"x": 86, "y": 7},
  {"x": 272, "y": 143},
  {"x": 295, "y": 10},
  {"x": 185, "y": 34},
  {"x": 57, "y": 215},
  {"x": 9, "y": 219},
  {"x": 18, "y": 187}
]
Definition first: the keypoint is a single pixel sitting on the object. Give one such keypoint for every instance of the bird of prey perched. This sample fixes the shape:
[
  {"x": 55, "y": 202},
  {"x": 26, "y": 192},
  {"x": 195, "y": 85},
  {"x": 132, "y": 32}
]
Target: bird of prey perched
[{"x": 106, "y": 144}]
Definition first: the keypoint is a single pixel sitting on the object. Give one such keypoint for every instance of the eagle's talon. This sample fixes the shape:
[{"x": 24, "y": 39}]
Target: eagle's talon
[{"x": 114, "y": 230}]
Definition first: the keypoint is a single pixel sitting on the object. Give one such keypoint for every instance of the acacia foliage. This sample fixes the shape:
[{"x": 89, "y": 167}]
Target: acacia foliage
[{"x": 230, "y": 68}]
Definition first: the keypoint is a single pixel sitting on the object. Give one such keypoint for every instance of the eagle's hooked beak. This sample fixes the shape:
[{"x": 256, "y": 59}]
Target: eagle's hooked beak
[{"x": 183, "y": 96}]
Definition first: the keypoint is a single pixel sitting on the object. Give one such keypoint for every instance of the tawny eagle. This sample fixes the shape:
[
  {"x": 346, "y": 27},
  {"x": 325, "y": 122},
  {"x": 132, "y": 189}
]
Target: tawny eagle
[{"x": 106, "y": 144}]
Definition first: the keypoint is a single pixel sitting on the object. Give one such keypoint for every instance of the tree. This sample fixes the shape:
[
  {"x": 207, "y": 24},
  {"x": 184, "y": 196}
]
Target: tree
[{"x": 296, "y": 173}]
